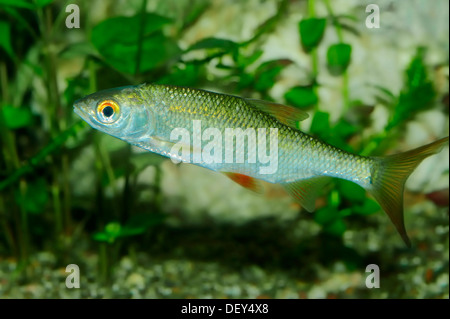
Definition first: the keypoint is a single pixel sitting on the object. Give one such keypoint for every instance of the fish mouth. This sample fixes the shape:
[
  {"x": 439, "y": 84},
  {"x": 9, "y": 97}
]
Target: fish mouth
[
  {"x": 81, "y": 109},
  {"x": 78, "y": 107}
]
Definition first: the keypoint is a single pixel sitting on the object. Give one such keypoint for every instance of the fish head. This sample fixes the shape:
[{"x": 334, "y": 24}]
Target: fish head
[{"x": 120, "y": 112}]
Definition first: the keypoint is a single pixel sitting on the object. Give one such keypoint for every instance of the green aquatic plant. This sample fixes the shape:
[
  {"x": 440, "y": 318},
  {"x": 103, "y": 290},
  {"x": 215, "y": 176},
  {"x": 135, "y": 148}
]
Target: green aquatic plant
[{"x": 136, "y": 225}]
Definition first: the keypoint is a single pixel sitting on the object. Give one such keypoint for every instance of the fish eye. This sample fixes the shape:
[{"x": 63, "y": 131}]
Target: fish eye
[{"x": 108, "y": 111}]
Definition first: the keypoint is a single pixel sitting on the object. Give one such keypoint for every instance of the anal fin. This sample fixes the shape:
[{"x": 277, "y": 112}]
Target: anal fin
[
  {"x": 246, "y": 181},
  {"x": 305, "y": 191}
]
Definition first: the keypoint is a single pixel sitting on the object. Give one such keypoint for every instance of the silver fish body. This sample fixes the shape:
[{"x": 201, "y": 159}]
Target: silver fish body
[
  {"x": 159, "y": 110},
  {"x": 156, "y": 117}
]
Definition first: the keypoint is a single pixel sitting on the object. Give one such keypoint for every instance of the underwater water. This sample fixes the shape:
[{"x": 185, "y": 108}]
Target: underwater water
[{"x": 132, "y": 224}]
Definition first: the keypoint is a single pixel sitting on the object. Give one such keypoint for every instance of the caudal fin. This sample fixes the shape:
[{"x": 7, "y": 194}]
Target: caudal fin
[{"x": 389, "y": 177}]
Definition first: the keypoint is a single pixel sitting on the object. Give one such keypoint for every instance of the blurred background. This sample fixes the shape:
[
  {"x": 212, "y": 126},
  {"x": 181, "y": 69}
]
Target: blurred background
[{"x": 139, "y": 226}]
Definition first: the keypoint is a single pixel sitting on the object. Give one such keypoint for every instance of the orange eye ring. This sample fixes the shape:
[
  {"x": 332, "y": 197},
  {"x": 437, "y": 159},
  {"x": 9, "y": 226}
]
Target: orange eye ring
[{"x": 108, "y": 111}]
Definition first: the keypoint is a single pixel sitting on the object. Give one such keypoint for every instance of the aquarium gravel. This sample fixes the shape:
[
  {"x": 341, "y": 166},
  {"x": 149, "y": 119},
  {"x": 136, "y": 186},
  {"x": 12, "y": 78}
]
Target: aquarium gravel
[{"x": 209, "y": 266}]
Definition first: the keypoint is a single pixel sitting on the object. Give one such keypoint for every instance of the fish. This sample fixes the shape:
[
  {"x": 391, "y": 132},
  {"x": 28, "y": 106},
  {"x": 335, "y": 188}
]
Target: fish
[{"x": 177, "y": 121}]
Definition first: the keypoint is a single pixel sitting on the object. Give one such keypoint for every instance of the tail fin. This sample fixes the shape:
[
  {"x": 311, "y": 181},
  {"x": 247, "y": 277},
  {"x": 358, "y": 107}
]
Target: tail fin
[{"x": 388, "y": 181}]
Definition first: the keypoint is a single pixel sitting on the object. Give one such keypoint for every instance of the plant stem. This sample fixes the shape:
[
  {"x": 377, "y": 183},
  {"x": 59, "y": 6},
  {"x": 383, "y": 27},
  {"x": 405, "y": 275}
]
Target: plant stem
[
  {"x": 140, "y": 37},
  {"x": 158, "y": 193},
  {"x": 67, "y": 193},
  {"x": 4, "y": 82},
  {"x": 9, "y": 151},
  {"x": 92, "y": 76},
  {"x": 57, "y": 208},
  {"x": 314, "y": 56},
  {"x": 24, "y": 231},
  {"x": 7, "y": 228},
  {"x": 41, "y": 156},
  {"x": 56, "y": 121},
  {"x": 268, "y": 24},
  {"x": 311, "y": 8},
  {"x": 44, "y": 15},
  {"x": 11, "y": 162},
  {"x": 345, "y": 93},
  {"x": 337, "y": 27},
  {"x": 103, "y": 262}
]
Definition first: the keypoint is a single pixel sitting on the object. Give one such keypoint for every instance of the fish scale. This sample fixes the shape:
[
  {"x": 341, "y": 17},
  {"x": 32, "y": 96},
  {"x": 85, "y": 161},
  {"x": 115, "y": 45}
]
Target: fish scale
[{"x": 146, "y": 115}]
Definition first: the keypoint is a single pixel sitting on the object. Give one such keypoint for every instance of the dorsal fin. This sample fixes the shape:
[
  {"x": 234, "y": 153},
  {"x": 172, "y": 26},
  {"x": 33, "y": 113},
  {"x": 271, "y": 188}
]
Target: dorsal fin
[
  {"x": 287, "y": 115},
  {"x": 246, "y": 181},
  {"x": 305, "y": 191}
]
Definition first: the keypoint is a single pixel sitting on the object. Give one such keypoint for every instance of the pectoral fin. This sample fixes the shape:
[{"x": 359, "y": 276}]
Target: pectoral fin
[
  {"x": 246, "y": 181},
  {"x": 155, "y": 144},
  {"x": 306, "y": 191}
]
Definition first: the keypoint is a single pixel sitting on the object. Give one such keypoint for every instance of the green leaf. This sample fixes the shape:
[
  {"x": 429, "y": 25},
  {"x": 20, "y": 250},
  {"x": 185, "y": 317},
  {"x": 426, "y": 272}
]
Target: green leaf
[
  {"x": 18, "y": 3},
  {"x": 320, "y": 124},
  {"x": 102, "y": 237},
  {"x": 311, "y": 32},
  {"x": 340, "y": 22},
  {"x": 245, "y": 80},
  {"x": 266, "y": 79},
  {"x": 351, "y": 191},
  {"x": 136, "y": 225},
  {"x": 385, "y": 91},
  {"x": 16, "y": 117},
  {"x": 384, "y": 95},
  {"x": 338, "y": 58},
  {"x": 301, "y": 97},
  {"x": 76, "y": 87},
  {"x": 337, "y": 228},
  {"x": 326, "y": 215},
  {"x": 344, "y": 128},
  {"x": 334, "y": 198},
  {"x": 214, "y": 43},
  {"x": 331, "y": 221},
  {"x": 43, "y": 3},
  {"x": 79, "y": 49},
  {"x": 340, "y": 133},
  {"x": 5, "y": 38},
  {"x": 350, "y": 29},
  {"x": 113, "y": 229},
  {"x": 110, "y": 233},
  {"x": 417, "y": 74},
  {"x": 418, "y": 93},
  {"x": 35, "y": 197},
  {"x": 117, "y": 41},
  {"x": 21, "y": 20},
  {"x": 194, "y": 11},
  {"x": 244, "y": 61},
  {"x": 267, "y": 72},
  {"x": 345, "y": 212},
  {"x": 370, "y": 206},
  {"x": 185, "y": 75},
  {"x": 269, "y": 25}
]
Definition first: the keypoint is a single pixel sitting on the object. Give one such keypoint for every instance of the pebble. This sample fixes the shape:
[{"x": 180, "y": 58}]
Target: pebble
[{"x": 135, "y": 280}]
